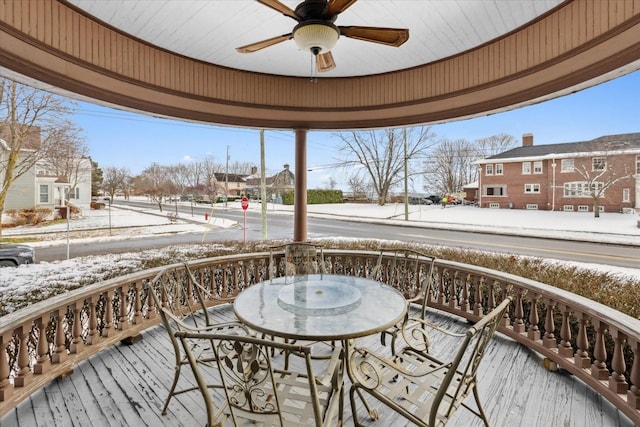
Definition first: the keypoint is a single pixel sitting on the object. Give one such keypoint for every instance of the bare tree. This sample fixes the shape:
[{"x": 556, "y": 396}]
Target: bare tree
[
  {"x": 450, "y": 166},
  {"x": 155, "y": 182},
  {"x": 381, "y": 154},
  {"x": 240, "y": 168},
  {"x": 492, "y": 145},
  {"x": 115, "y": 179},
  {"x": 599, "y": 172},
  {"x": 68, "y": 155},
  {"x": 30, "y": 121},
  {"x": 179, "y": 175},
  {"x": 210, "y": 183},
  {"x": 357, "y": 185},
  {"x": 332, "y": 183}
]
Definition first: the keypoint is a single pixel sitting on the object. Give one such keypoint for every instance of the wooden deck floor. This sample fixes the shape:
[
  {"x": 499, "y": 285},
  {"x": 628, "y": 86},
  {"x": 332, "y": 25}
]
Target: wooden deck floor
[{"x": 126, "y": 386}]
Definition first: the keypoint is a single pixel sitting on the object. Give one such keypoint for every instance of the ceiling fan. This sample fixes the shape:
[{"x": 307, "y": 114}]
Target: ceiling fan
[{"x": 317, "y": 33}]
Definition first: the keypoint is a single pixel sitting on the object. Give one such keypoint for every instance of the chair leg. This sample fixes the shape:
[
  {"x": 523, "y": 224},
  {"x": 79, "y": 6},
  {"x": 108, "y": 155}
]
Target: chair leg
[
  {"x": 341, "y": 407},
  {"x": 354, "y": 412},
  {"x": 481, "y": 413},
  {"x": 393, "y": 344},
  {"x": 176, "y": 375},
  {"x": 373, "y": 413}
]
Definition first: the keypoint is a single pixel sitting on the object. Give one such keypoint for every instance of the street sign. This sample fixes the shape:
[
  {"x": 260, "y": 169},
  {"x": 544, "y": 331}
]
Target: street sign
[{"x": 245, "y": 203}]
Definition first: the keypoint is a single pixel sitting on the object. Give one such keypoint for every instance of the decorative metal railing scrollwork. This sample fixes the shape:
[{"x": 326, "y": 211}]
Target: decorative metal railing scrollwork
[{"x": 599, "y": 345}]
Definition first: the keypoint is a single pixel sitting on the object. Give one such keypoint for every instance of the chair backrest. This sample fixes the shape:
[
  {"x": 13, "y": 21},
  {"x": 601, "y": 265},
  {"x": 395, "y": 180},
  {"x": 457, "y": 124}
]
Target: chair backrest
[
  {"x": 467, "y": 360},
  {"x": 407, "y": 270},
  {"x": 300, "y": 258},
  {"x": 181, "y": 302},
  {"x": 249, "y": 380}
]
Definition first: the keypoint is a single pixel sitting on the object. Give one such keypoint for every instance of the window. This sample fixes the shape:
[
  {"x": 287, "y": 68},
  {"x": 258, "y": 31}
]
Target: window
[
  {"x": 583, "y": 208},
  {"x": 598, "y": 163},
  {"x": 498, "y": 168},
  {"x": 638, "y": 164},
  {"x": 526, "y": 168},
  {"x": 537, "y": 167},
  {"x": 44, "y": 193},
  {"x": 567, "y": 208},
  {"x": 532, "y": 206},
  {"x": 489, "y": 170},
  {"x": 494, "y": 205},
  {"x": 532, "y": 188},
  {"x": 582, "y": 189},
  {"x": 42, "y": 171},
  {"x": 495, "y": 191},
  {"x": 626, "y": 195},
  {"x": 566, "y": 165}
]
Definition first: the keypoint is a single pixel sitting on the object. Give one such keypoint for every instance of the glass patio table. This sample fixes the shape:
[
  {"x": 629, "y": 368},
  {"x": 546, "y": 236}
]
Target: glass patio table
[{"x": 320, "y": 307}]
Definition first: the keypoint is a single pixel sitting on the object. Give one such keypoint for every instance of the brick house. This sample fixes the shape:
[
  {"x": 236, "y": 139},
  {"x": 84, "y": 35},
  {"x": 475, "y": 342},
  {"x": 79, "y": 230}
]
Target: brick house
[
  {"x": 277, "y": 184},
  {"x": 559, "y": 176}
]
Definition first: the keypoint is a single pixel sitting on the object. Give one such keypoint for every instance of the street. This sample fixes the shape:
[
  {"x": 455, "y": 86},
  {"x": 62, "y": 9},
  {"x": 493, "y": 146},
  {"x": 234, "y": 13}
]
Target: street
[{"x": 280, "y": 227}]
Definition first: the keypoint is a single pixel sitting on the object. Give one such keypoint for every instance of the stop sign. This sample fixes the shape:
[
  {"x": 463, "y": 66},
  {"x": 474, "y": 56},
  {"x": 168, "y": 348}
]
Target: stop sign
[{"x": 245, "y": 203}]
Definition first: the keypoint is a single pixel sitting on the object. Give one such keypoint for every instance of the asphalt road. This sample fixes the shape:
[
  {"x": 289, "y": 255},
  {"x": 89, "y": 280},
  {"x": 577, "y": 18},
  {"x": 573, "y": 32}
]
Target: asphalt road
[{"x": 281, "y": 227}]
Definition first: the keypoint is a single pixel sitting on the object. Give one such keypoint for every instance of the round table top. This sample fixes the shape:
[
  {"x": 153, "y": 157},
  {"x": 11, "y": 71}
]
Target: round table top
[{"x": 320, "y": 307}]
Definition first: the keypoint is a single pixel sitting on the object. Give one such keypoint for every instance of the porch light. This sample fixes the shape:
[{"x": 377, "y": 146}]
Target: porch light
[{"x": 316, "y": 36}]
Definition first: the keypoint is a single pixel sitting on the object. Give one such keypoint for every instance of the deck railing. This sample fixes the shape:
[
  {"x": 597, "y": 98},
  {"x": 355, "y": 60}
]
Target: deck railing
[{"x": 599, "y": 345}]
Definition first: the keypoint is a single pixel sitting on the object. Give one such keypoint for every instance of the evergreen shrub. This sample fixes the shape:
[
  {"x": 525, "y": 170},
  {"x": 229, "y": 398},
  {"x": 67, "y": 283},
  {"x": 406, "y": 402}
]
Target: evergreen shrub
[{"x": 316, "y": 197}]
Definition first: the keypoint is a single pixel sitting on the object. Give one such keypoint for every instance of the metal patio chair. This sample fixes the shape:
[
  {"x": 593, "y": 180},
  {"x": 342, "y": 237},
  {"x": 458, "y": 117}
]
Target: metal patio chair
[
  {"x": 259, "y": 394},
  {"x": 182, "y": 304},
  {"x": 410, "y": 272},
  {"x": 420, "y": 387},
  {"x": 299, "y": 258}
]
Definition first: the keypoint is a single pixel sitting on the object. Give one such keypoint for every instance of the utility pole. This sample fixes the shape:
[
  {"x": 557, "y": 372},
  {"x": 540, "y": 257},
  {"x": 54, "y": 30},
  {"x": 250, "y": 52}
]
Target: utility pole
[
  {"x": 226, "y": 180},
  {"x": 263, "y": 187},
  {"x": 406, "y": 177}
]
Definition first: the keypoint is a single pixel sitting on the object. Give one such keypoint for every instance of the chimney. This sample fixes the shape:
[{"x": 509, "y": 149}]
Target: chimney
[
  {"x": 254, "y": 170},
  {"x": 286, "y": 166},
  {"x": 527, "y": 140}
]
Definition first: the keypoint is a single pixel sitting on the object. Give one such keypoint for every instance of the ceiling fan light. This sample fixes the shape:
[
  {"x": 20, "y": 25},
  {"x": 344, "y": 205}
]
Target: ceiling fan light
[{"x": 317, "y": 37}]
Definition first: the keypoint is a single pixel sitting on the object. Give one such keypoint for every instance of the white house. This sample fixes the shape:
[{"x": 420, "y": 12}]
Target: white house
[{"x": 40, "y": 186}]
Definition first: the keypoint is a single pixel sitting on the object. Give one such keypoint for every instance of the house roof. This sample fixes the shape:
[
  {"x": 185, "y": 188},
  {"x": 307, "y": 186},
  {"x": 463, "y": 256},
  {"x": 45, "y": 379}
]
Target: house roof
[
  {"x": 221, "y": 177},
  {"x": 270, "y": 181},
  {"x": 605, "y": 144}
]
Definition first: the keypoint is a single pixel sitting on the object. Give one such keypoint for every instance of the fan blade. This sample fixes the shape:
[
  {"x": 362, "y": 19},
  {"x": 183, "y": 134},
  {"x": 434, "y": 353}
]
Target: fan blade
[
  {"x": 253, "y": 47},
  {"x": 325, "y": 62},
  {"x": 339, "y": 6},
  {"x": 279, "y": 7},
  {"x": 389, "y": 36}
]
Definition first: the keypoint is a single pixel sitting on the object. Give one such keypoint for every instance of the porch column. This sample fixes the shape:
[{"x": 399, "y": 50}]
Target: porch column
[{"x": 300, "y": 188}]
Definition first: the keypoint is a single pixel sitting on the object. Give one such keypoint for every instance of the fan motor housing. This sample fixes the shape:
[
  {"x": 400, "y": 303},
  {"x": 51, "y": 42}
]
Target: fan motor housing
[{"x": 312, "y": 10}]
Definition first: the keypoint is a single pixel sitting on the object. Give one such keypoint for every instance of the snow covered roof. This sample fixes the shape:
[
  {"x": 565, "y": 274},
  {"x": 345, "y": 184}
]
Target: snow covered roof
[{"x": 609, "y": 144}]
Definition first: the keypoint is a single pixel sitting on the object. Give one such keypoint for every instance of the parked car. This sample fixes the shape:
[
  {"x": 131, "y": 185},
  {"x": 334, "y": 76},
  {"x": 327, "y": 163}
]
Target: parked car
[
  {"x": 12, "y": 255},
  {"x": 435, "y": 200},
  {"x": 420, "y": 201}
]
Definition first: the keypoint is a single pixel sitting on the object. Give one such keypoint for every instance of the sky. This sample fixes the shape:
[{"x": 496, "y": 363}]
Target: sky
[
  {"x": 135, "y": 141},
  {"x": 17, "y": 283}
]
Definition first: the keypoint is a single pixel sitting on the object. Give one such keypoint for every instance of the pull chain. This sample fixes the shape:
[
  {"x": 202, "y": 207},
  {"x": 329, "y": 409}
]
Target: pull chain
[{"x": 313, "y": 73}]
